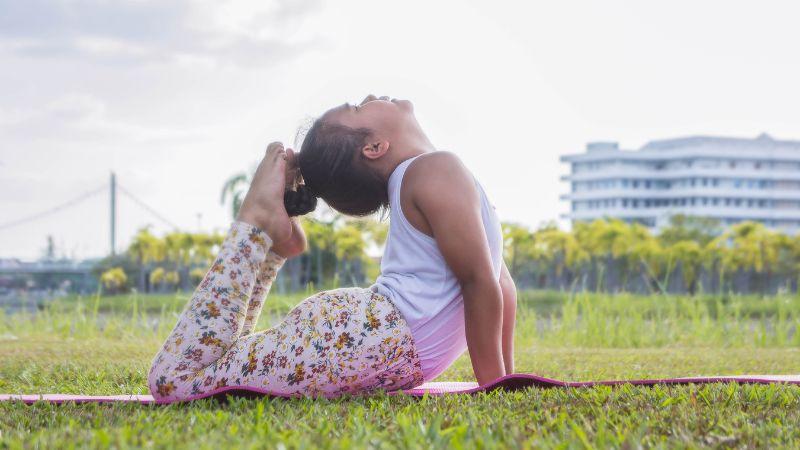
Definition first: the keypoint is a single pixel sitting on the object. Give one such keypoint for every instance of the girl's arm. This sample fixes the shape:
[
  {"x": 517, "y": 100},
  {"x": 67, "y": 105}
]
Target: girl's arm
[
  {"x": 445, "y": 203},
  {"x": 295, "y": 245},
  {"x": 509, "y": 317}
]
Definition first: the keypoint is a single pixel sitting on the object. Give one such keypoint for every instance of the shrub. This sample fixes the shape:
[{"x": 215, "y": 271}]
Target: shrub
[{"x": 114, "y": 280}]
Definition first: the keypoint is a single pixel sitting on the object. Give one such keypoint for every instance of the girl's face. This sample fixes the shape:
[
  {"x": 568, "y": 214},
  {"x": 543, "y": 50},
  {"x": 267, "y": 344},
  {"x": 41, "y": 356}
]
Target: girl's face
[{"x": 384, "y": 116}]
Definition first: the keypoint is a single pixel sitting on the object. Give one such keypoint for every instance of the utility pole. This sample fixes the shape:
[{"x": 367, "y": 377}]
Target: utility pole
[{"x": 113, "y": 213}]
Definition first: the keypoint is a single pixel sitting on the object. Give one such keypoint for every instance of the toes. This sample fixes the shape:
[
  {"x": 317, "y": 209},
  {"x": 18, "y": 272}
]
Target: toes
[
  {"x": 274, "y": 147},
  {"x": 275, "y": 153}
]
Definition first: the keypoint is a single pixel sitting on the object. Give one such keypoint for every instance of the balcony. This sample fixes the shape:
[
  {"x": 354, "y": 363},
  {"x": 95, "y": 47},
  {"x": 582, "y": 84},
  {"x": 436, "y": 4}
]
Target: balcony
[
  {"x": 711, "y": 192},
  {"x": 618, "y": 172}
]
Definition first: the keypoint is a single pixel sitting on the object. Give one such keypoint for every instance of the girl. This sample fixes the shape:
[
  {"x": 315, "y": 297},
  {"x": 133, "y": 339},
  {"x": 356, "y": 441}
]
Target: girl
[{"x": 443, "y": 286}]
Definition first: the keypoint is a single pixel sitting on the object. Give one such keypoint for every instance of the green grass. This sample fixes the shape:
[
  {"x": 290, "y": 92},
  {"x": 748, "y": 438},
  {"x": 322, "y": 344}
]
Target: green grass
[{"x": 104, "y": 345}]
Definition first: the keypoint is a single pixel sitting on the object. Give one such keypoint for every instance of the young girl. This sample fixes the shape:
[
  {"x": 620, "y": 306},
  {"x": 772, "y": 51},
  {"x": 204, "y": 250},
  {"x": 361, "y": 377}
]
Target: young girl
[{"x": 443, "y": 286}]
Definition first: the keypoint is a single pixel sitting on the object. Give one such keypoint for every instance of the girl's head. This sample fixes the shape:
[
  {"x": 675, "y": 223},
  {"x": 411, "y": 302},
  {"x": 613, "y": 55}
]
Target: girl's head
[{"x": 345, "y": 156}]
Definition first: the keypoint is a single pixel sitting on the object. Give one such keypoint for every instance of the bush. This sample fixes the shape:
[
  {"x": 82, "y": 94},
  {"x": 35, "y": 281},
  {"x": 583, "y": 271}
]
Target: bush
[
  {"x": 114, "y": 280},
  {"x": 157, "y": 276}
]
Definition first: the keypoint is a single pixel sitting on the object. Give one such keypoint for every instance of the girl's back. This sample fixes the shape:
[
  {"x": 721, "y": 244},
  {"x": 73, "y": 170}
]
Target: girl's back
[{"x": 416, "y": 277}]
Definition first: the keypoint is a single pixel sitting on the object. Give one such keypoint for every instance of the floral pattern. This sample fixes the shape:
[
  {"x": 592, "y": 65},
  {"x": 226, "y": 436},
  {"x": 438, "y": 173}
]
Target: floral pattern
[{"x": 339, "y": 341}]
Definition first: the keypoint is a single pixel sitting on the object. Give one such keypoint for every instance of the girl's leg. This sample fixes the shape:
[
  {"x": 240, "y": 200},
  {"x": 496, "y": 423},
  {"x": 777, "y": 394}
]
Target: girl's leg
[
  {"x": 266, "y": 275},
  {"x": 344, "y": 340},
  {"x": 214, "y": 317}
]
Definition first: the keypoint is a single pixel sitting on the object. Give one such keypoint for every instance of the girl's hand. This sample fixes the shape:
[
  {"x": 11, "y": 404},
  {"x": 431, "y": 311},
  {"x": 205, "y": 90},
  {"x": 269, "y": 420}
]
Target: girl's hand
[{"x": 295, "y": 245}]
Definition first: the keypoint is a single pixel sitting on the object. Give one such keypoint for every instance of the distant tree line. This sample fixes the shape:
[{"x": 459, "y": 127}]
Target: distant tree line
[
  {"x": 690, "y": 255},
  {"x": 337, "y": 255}
]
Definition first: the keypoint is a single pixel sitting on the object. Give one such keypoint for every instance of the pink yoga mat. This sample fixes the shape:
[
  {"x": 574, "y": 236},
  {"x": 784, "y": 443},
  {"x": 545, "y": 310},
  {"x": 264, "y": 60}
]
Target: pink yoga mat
[{"x": 508, "y": 382}]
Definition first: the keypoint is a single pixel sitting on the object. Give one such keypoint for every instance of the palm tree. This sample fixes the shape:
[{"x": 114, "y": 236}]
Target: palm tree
[
  {"x": 320, "y": 240},
  {"x": 643, "y": 254},
  {"x": 601, "y": 240},
  {"x": 235, "y": 188},
  {"x": 747, "y": 247},
  {"x": 788, "y": 259},
  {"x": 689, "y": 228},
  {"x": 689, "y": 256},
  {"x": 350, "y": 245},
  {"x": 517, "y": 244},
  {"x": 560, "y": 250},
  {"x": 146, "y": 249},
  {"x": 178, "y": 246},
  {"x": 204, "y": 247}
]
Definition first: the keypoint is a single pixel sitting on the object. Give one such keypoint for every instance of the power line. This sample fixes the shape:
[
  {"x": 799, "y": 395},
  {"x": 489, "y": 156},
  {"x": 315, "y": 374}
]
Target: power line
[
  {"x": 146, "y": 207},
  {"x": 81, "y": 198},
  {"x": 53, "y": 210}
]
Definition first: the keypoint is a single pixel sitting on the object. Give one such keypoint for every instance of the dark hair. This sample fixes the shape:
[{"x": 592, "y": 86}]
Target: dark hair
[
  {"x": 333, "y": 169},
  {"x": 299, "y": 202}
]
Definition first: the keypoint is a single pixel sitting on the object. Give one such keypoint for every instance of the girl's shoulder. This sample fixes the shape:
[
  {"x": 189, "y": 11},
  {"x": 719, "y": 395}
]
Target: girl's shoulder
[
  {"x": 436, "y": 185},
  {"x": 442, "y": 164},
  {"x": 438, "y": 177}
]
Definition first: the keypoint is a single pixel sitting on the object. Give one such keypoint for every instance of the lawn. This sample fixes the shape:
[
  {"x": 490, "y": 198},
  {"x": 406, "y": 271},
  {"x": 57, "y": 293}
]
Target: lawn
[{"x": 103, "y": 345}]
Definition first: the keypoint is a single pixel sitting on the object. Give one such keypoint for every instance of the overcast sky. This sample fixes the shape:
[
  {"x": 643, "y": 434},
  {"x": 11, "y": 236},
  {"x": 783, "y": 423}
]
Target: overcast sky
[{"x": 176, "y": 97}]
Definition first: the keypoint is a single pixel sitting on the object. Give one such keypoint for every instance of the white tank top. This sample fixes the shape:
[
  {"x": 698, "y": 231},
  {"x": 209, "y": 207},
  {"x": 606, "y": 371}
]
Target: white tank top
[{"x": 415, "y": 276}]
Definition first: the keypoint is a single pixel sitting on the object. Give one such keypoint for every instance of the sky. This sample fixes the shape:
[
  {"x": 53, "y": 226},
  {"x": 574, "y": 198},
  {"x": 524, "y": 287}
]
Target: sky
[{"x": 175, "y": 97}]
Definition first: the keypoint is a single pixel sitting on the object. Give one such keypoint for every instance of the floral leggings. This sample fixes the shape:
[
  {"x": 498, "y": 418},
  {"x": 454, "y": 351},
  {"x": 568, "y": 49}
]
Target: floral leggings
[{"x": 339, "y": 341}]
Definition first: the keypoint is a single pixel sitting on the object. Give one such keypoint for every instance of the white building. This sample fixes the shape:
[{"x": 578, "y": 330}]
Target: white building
[{"x": 729, "y": 179}]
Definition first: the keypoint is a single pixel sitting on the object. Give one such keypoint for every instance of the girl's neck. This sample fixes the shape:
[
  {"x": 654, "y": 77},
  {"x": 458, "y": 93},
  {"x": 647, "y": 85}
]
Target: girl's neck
[{"x": 402, "y": 154}]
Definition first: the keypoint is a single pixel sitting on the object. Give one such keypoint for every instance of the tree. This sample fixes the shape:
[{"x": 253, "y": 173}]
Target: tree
[
  {"x": 157, "y": 277},
  {"x": 178, "y": 246},
  {"x": 235, "y": 189},
  {"x": 350, "y": 245},
  {"x": 146, "y": 249},
  {"x": 559, "y": 250},
  {"x": 320, "y": 240},
  {"x": 747, "y": 248},
  {"x": 517, "y": 245},
  {"x": 689, "y": 255},
  {"x": 689, "y": 228}
]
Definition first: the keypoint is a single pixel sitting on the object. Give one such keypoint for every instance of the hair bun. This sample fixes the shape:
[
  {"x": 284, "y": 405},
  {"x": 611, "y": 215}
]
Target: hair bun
[{"x": 299, "y": 202}]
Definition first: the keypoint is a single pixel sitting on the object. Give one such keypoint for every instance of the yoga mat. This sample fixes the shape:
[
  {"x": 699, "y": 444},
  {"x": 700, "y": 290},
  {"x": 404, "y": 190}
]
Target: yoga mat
[{"x": 509, "y": 382}]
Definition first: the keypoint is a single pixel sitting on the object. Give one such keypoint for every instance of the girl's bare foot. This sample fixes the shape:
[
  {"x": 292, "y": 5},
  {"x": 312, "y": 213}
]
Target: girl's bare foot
[{"x": 263, "y": 204}]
